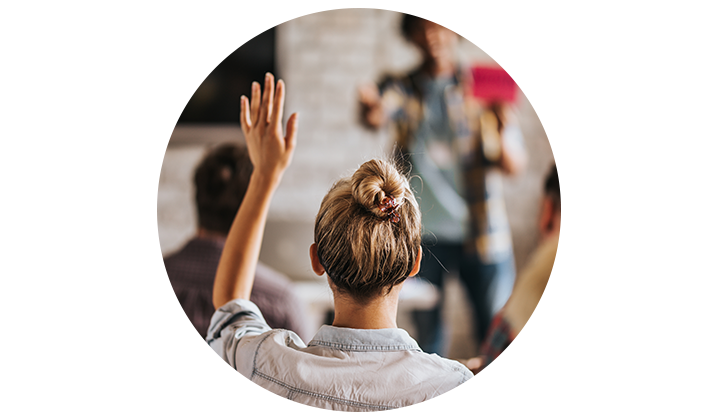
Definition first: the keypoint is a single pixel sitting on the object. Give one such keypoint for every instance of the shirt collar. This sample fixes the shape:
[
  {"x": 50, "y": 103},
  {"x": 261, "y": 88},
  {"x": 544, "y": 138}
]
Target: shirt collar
[{"x": 385, "y": 339}]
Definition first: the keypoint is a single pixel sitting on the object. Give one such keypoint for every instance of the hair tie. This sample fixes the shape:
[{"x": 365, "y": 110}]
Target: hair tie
[{"x": 388, "y": 205}]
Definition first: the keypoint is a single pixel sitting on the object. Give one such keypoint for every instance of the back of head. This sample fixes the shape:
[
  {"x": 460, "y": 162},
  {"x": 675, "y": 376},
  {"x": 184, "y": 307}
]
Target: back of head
[
  {"x": 366, "y": 242},
  {"x": 534, "y": 311},
  {"x": 221, "y": 180},
  {"x": 552, "y": 190},
  {"x": 550, "y": 214},
  {"x": 413, "y": 16}
]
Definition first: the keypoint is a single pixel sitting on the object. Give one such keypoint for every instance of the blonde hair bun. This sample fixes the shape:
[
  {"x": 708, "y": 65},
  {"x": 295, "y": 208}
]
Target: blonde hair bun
[
  {"x": 375, "y": 180},
  {"x": 364, "y": 250}
]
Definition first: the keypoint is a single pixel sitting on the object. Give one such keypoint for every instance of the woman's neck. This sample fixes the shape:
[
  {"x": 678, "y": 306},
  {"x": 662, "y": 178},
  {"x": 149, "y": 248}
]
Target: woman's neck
[{"x": 375, "y": 314}]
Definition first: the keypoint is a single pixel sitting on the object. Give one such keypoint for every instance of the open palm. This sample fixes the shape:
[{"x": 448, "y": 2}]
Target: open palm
[{"x": 269, "y": 149}]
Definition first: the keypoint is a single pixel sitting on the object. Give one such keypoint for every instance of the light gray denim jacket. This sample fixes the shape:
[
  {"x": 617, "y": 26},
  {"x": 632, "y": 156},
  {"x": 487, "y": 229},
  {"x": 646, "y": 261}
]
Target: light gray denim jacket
[{"x": 341, "y": 369}]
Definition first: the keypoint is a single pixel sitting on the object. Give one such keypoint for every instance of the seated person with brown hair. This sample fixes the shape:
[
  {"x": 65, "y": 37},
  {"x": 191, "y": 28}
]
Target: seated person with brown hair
[
  {"x": 185, "y": 279},
  {"x": 220, "y": 182},
  {"x": 367, "y": 239}
]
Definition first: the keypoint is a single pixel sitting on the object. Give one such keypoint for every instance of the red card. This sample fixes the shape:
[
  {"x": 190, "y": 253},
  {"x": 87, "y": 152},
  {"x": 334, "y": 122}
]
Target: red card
[{"x": 493, "y": 84}]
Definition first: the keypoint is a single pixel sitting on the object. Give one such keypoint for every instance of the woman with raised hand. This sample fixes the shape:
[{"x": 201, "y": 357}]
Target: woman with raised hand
[{"x": 368, "y": 241}]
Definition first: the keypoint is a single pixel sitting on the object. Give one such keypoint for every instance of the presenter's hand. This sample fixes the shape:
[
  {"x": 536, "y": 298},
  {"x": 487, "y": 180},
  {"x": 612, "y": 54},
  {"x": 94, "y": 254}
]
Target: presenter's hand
[
  {"x": 505, "y": 114},
  {"x": 372, "y": 112},
  {"x": 513, "y": 157},
  {"x": 270, "y": 150}
]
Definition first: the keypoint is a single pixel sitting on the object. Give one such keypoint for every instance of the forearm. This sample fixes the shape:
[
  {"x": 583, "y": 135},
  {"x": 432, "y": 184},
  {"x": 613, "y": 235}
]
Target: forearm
[
  {"x": 238, "y": 263},
  {"x": 513, "y": 158},
  {"x": 270, "y": 152},
  {"x": 513, "y": 153},
  {"x": 512, "y": 161}
]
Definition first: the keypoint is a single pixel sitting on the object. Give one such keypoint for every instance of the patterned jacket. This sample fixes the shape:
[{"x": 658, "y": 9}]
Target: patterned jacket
[{"x": 477, "y": 140}]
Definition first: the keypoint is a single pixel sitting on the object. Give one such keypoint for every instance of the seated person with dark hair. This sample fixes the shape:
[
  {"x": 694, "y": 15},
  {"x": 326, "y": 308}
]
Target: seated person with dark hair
[
  {"x": 496, "y": 367},
  {"x": 550, "y": 219},
  {"x": 221, "y": 182}
]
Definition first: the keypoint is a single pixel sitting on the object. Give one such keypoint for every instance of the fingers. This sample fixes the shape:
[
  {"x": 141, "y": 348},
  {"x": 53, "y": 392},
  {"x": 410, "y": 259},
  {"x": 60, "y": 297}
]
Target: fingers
[
  {"x": 292, "y": 128},
  {"x": 275, "y": 120},
  {"x": 268, "y": 110},
  {"x": 267, "y": 99},
  {"x": 269, "y": 91},
  {"x": 244, "y": 116},
  {"x": 256, "y": 94}
]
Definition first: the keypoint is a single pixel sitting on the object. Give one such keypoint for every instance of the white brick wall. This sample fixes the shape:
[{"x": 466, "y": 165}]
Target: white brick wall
[{"x": 323, "y": 58}]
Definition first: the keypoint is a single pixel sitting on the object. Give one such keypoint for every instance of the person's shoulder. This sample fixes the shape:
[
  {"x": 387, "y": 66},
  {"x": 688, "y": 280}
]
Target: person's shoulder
[
  {"x": 449, "y": 367},
  {"x": 194, "y": 264},
  {"x": 175, "y": 255},
  {"x": 267, "y": 276},
  {"x": 175, "y": 264},
  {"x": 397, "y": 80},
  {"x": 184, "y": 252},
  {"x": 392, "y": 77},
  {"x": 469, "y": 396},
  {"x": 277, "y": 343},
  {"x": 466, "y": 394}
]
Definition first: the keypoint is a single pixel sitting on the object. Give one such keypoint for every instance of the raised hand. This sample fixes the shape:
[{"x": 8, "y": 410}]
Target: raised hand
[
  {"x": 270, "y": 152},
  {"x": 269, "y": 149}
]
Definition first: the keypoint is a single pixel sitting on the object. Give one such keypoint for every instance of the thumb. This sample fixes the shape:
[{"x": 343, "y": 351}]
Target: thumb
[{"x": 292, "y": 127}]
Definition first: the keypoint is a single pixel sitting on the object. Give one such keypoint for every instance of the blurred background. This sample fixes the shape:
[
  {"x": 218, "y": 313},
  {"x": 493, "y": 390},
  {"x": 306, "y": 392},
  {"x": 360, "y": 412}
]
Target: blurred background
[{"x": 324, "y": 58}]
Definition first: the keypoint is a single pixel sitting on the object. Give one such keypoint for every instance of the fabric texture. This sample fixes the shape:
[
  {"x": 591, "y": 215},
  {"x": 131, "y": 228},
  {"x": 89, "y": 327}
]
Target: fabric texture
[
  {"x": 191, "y": 271},
  {"x": 340, "y": 369}
]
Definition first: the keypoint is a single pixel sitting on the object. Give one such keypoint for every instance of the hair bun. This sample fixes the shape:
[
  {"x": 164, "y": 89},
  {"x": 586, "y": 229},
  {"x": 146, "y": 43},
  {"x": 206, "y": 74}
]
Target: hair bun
[
  {"x": 375, "y": 180},
  {"x": 366, "y": 251}
]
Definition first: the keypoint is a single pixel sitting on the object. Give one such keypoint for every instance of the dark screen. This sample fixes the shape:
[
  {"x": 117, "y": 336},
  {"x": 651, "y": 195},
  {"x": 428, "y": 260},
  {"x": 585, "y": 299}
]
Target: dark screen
[{"x": 207, "y": 58}]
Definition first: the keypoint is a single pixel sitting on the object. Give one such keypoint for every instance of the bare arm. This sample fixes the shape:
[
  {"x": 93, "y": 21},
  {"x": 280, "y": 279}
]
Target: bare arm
[
  {"x": 513, "y": 158},
  {"x": 512, "y": 161},
  {"x": 271, "y": 153}
]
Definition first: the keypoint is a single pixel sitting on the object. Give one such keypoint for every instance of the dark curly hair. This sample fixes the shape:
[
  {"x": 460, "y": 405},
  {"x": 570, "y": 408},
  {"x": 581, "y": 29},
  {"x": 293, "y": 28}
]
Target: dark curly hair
[
  {"x": 221, "y": 181},
  {"x": 412, "y": 16}
]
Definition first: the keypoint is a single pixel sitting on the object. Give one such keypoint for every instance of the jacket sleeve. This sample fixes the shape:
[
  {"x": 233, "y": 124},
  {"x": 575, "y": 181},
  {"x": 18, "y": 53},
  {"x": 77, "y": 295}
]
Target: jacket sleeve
[
  {"x": 469, "y": 398},
  {"x": 235, "y": 320}
]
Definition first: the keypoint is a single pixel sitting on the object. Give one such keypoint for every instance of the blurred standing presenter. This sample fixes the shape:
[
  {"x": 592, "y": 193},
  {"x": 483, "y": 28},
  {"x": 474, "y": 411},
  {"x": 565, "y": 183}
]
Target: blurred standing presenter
[{"x": 458, "y": 145}]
